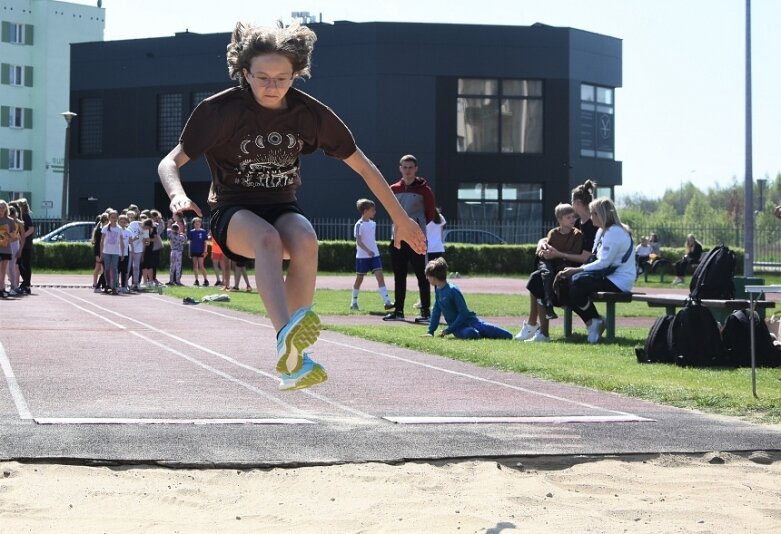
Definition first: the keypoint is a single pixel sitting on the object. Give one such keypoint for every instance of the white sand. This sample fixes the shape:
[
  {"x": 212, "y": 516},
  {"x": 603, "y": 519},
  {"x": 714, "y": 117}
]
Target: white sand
[{"x": 661, "y": 494}]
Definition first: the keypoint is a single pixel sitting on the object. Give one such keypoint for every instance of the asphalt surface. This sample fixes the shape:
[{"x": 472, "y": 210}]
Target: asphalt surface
[{"x": 144, "y": 379}]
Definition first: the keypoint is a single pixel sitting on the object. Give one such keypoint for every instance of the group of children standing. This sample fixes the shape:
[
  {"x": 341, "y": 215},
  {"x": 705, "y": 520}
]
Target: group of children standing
[{"x": 127, "y": 249}]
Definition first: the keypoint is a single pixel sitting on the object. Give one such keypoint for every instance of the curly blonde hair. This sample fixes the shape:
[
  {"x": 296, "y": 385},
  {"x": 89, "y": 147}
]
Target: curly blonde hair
[{"x": 295, "y": 42}]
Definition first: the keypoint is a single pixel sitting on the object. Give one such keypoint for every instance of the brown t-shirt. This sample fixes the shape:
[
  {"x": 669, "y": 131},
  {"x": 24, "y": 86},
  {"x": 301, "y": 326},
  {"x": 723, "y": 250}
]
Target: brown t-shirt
[
  {"x": 253, "y": 152},
  {"x": 570, "y": 243}
]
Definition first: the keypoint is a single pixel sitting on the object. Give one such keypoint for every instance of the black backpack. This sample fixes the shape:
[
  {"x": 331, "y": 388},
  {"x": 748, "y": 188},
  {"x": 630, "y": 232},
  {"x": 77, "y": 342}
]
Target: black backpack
[
  {"x": 656, "y": 348},
  {"x": 694, "y": 337},
  {"x": 712, "y": 279},
  {"x": 736, "y": 335}
]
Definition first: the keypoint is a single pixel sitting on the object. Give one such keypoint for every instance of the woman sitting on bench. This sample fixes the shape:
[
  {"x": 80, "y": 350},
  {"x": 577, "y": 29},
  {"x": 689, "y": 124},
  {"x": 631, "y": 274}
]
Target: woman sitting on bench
[
  {"x": 611, "y": 267},
  {"x": 692, "y": 257}
]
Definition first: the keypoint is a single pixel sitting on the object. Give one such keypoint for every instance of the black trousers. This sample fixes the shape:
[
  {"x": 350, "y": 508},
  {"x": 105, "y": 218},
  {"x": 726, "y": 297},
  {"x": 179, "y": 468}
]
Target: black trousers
[
  {"x": 681, "y": 265},
  {"x": 400, "y": 260},
  {"x": 25, "y": 266},
  {"x": 582, "y": 285}
]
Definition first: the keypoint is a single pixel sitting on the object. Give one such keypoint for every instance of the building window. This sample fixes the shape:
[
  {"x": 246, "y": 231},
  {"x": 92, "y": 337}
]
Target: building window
[
  {"x": 91, "y": 125},
  {"x": 15, "y": 160},
  {"x": 499, "y": 115},
  {"x": 505, "y": 203},
  {"x": 17, "y": 75},
  {"x": 597, "y": 112},
  {"x": 17, "y": 33},
  {"x": 169, "y": 121},
  {"x": 16, "y": 118}
]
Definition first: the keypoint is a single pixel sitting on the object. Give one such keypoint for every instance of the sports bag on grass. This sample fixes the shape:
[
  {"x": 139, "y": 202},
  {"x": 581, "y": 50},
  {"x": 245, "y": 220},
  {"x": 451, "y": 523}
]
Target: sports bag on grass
[
  {"x": 713, "y": 277},
  {"x": 694, "y": 337},
  {"x": 736, "y": 335},
  {"x": 656, "y": 348}
]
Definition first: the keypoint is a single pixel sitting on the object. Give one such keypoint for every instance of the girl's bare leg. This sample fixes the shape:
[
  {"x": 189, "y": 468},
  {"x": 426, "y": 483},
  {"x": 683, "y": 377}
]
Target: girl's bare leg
[
  {"x": 300, "y": 242},
  {"x": 252, "y": 237}
]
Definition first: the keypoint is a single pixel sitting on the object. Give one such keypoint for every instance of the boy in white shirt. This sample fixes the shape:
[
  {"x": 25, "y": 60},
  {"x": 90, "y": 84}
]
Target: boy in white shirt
[{"x": 367, "y": 255}]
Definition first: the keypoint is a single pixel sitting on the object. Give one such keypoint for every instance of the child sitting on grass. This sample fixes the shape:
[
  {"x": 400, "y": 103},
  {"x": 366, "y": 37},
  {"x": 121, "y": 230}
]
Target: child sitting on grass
[{"x": 449, "y": 301}]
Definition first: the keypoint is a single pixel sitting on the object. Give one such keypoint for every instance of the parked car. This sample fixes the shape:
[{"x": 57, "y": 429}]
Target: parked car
[
  {"x": 75, "y": 232},
  {"x": 473, "y": 236}
]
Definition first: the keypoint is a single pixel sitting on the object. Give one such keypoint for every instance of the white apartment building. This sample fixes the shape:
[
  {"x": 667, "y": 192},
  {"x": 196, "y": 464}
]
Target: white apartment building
[{"x": 34, "y": 92}]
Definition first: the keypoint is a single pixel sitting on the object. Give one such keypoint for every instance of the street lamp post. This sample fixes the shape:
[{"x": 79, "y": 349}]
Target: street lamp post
[{"x": 68, "y": 116}]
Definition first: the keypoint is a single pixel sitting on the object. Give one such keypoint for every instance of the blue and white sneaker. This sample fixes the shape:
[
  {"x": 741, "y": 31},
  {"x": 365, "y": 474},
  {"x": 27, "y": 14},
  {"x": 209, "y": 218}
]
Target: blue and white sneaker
[
  {"x": 310, "y": 374},
  {"x": 299, "y": 333}
]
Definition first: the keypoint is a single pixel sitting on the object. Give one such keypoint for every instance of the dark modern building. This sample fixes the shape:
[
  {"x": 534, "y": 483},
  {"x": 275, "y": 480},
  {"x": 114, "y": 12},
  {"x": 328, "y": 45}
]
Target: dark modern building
[{"x": 504, "y": 120}]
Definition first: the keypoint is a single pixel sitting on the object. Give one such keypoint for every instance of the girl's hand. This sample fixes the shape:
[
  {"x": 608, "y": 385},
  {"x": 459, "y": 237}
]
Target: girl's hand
[
  {"x": 181, "y": 203},
  {"x": 408, "y": 230}
]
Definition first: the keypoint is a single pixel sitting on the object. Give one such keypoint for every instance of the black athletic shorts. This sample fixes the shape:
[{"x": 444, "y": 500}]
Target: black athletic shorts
[{"x": 220, "y": 217}]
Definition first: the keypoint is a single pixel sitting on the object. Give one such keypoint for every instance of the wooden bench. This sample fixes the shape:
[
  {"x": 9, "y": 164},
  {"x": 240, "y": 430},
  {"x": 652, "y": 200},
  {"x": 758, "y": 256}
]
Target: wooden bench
[
  {"x": 610, "y": 300},
  {"x": 672, "y": 301}
]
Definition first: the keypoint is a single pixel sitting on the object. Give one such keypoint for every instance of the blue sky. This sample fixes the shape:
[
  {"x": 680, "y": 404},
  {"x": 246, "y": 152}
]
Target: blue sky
[{"x": 679, "y": 115}]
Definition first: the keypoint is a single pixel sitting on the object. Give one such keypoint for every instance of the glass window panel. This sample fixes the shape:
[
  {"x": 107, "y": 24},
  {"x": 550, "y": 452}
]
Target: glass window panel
[
  {"x": 527, "y": 192},
  {"x": 478, "y": 124},
  {"x": 470, "y": 191},
  {"x": 522, "y": 126},
  {"x": 169, "y": 120},
  {"x": 586, "y": 92},
  {"x": 474, "y": 86},
  {"x": 491, "y": 192},
  {"x": 91, "y": 126},
  {"x": 17, "y": 118},
  {"x": 522, "y": 88},
  {"x": 605, "y": 95}
]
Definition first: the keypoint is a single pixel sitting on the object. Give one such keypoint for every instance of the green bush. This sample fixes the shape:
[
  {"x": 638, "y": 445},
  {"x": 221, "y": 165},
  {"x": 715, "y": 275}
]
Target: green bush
[{"x": 339, "y": 257}]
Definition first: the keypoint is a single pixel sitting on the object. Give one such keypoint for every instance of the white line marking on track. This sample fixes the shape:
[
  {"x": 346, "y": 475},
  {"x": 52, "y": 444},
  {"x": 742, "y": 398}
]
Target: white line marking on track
[
  {"x": 143, "y": 421},
  {"x": 556, "y": 420},
  {"x": 190, "y": 359},
  {"x": 221, "y": 356},
  {"x": 13, "y": 386},
  {"x": 429, "y": 366}
]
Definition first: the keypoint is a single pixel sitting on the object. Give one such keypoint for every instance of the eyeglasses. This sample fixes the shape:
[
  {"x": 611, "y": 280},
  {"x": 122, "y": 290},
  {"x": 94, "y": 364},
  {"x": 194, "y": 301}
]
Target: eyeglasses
[{"x": 266, "y": 81}]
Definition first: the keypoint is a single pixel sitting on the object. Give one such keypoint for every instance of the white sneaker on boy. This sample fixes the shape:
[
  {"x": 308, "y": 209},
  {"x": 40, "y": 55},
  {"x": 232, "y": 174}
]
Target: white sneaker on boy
[
  {"x": 538, "y": 337},
  {"x": 527, "y": 331}
]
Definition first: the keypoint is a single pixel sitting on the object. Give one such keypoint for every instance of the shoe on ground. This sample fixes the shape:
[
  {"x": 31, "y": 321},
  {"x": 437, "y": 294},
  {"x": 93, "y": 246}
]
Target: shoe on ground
[
  {"x": 354, "y": 306},
  {"x": 394, "y": 316},
  {"x": 298, "y": 334},
  {"x": 205, "y": 283},
  {"x": 423, "y": 318},
  {"x": 310, "y": 374},
  {"x": 218, "y": 282},
  {"x": 249, "y": 289},
  {"x": 390, "y": 305},
  {"x": 538, "y": 337},
  {"x": 527, "y": 331},
  {"x": 550, "y": 313},
  {"x": 197, "y": 283},
  {"x": 595, "y": 330},
  {"x": 97, "y": 290}
]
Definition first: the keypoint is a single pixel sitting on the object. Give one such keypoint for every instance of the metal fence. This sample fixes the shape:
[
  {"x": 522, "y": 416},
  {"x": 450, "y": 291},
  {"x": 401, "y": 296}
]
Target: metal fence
[{"x": 767, "y": 240}]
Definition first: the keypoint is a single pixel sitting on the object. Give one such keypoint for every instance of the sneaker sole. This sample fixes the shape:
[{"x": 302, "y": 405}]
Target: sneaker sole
[
  {"x": 301, "y": 336},
  {"x": 316, "y": 376}
]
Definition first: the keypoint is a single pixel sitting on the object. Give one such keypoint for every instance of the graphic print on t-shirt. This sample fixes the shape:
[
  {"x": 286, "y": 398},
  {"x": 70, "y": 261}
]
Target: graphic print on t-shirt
[{"x": 269, "y": 161}]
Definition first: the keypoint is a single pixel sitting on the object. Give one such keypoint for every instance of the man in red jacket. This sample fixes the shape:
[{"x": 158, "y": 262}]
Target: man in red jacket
[{"x": 417, "y": 199}]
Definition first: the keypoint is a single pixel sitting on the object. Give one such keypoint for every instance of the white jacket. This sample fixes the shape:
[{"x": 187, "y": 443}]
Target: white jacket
[{"x": 610, "y": 247}]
